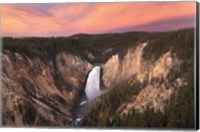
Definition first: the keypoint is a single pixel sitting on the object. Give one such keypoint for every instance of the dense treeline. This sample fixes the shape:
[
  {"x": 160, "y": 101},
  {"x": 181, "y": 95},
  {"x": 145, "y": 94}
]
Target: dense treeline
[
  {"x": 44, "y": 48},
  {"x": 83, "y": 44},
  {"x": 80, "y": 45},
  {"x": 180, "y": 110},
  {"x": 180, "y": 42},
  {"x": 118, "y": 42}
]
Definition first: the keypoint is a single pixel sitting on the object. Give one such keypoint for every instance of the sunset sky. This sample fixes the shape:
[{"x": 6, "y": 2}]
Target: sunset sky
[{"x": 20, "y": 20}]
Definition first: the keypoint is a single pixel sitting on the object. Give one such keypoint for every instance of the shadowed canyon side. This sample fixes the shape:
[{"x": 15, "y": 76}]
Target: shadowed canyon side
[{"x": 107, "y": 80}]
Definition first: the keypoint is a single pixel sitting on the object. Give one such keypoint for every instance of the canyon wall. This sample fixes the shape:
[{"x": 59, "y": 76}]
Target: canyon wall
[
  {"x": 30, "y": 92},
  {"x": 133, "y": 68}
]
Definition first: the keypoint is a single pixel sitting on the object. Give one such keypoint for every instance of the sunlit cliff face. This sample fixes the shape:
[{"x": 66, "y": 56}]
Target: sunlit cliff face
[{"x": 66, "y": 19}]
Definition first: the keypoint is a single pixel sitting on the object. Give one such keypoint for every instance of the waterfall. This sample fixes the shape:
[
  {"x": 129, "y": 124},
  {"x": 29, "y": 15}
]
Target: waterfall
[{"x": 92, "y": 88}]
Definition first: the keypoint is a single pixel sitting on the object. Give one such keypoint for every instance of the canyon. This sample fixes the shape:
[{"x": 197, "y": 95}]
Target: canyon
[{"x": 46, "y": 92}]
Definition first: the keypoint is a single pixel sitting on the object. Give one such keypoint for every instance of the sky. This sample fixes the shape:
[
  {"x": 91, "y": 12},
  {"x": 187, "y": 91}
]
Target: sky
[{"x": 20, "y": 20}]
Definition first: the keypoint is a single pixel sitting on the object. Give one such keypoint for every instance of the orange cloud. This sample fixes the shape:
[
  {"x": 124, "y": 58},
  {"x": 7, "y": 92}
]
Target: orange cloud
[{"x": 67, "y": 19}]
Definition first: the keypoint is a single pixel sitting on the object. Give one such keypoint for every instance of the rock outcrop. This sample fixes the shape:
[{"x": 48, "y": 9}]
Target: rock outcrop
[
  {"x": 73, "y": 69},
  {"x": 116, "y": 69}
]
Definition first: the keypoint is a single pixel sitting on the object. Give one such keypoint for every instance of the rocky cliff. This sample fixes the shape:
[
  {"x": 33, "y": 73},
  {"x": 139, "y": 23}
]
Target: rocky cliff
[
  {"x": 34, "y": 93},
  {"x": 158, "y": 89}
]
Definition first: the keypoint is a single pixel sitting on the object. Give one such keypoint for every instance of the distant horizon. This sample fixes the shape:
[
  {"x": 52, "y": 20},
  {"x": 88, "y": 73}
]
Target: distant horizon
[
  {"x": 98, "y": 33},
  {"x": 67, "y": 19}
]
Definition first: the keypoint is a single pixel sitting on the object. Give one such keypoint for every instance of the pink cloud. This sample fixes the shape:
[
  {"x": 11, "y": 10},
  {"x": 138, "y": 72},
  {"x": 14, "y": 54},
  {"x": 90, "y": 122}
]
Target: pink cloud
[{"x": 68, "y": 19}]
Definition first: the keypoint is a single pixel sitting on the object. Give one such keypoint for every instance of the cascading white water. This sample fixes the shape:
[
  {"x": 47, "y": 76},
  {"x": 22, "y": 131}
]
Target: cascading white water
[{"x": 92, "y": 88}]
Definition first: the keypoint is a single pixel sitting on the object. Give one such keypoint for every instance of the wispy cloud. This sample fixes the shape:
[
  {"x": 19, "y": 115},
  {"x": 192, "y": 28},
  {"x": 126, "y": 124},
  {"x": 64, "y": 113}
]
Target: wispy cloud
[
  {"x": 68, "y": 19},
  {"x": 161, "y": 25}
]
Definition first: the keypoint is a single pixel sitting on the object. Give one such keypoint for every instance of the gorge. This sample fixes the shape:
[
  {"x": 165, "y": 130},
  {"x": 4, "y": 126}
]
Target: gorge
[{"x": 107, "y": 80}]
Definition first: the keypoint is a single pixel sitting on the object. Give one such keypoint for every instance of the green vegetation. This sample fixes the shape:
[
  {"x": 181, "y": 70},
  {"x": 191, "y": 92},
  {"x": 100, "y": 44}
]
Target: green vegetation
[
  {"x": 80, "y": 45},
  {"x": 180, "y": 42},
  {"x": 117, "y": 42},
  {"x": 44, "y": 48},
  {"x": 179, "y": 113},
  {"x": 105, "y": 108}
]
